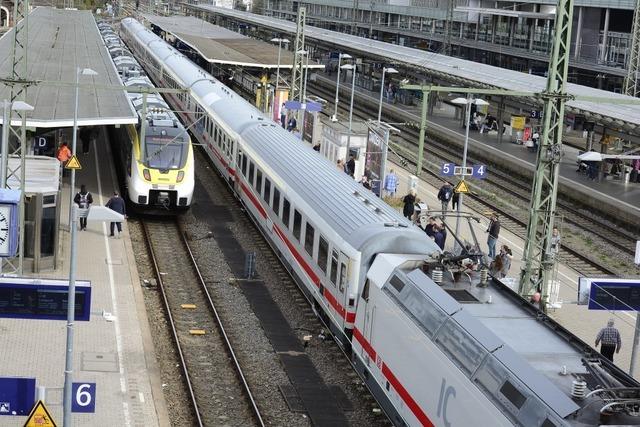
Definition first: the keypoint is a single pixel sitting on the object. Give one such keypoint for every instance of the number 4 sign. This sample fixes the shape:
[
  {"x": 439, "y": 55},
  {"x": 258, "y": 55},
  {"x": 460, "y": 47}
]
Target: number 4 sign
[
  {"x": 84, "y": 397},
  {"x": 479, "y": 171}
]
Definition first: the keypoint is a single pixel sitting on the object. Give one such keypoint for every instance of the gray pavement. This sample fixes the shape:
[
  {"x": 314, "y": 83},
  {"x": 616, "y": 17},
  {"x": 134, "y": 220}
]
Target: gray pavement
[{"x": 114, "y": 352}]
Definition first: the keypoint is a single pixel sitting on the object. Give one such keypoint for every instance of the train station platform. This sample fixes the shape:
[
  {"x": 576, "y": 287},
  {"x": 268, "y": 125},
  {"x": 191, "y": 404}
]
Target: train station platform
[
  {"x": 582, "y": 322},
  {"x": 615, "y": 197},
  {"x": 114, "y": 349}
]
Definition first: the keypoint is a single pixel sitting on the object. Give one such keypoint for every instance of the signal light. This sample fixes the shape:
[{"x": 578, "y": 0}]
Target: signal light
[
  {"x": 146, "y": 174},
  {"x": 180, "y": 176}
]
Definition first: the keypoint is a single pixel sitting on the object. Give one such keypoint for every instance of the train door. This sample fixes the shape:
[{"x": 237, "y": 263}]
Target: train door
[
  {"x": 368, "y": 319},
  {"x": 343, "y": 281}
]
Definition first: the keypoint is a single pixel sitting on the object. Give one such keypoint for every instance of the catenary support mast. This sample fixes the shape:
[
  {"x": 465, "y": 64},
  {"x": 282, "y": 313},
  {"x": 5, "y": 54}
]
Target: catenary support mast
[
  {"x": 297, "y": 73},
  {"x": 537, "y": 261},
  {"x": 631, "y": 81}
]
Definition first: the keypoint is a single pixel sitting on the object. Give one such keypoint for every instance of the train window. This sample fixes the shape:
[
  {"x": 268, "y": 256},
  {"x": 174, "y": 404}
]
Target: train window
[
  {"x": 297, "y": 223},
  {"x": 258, "y": 181},
  {"x": 276, "y": 201},
  {"x": 308, "y": 239},
  {"x": 365, "y": 291},
  {"x": 286, "y": 209},
  {"x": 323, "y": 254},
  {"x": 510, "y": 391},
  {"x": 343, "y": 276},
  {"x": 333, "y": 274},
  {"x": 244, "y": 165},
  {"x": 215, "y": 134},
  {"x": 267, "y": 190},
  {"x": 251, "y": 173},
  {"x": 239, "y": 160}
]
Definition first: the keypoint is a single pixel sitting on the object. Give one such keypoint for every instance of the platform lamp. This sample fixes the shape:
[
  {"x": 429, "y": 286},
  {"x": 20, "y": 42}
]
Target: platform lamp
[
  {"x": 279, "y": 41},
  {"x": 79, "y": 72},
  {"x": 467, "y": 102},
  {"x": 389, "y": 70},
  {"x": 353, "y": 90},
  {"x": 334, "y": 118}
]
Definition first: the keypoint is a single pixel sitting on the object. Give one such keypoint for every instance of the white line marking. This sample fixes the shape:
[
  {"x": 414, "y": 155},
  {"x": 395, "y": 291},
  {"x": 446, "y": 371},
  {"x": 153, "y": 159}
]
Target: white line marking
[
  {"x": 141, "y": 396},
  {"x": 114, "y": 302}
]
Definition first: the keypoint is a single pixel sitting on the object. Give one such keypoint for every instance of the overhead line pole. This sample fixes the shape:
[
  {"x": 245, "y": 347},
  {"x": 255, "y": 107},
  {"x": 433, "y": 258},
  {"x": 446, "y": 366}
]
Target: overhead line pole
[
  {"x": 537, "y": 259},
  {"x": 631, "y": 80}
]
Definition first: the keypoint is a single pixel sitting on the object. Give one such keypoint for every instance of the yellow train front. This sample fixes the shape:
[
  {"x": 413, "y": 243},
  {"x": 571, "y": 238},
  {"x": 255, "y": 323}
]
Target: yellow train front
[{"x": 159, "y": 173}]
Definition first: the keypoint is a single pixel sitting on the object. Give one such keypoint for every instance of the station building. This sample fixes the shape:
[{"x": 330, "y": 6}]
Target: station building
[{"x": 514, "y": 35}]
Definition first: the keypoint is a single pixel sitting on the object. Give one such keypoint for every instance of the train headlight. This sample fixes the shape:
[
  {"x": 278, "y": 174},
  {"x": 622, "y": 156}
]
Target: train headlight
[
  {"x": 146, "y": 174},
  {"x": 180, "y": 176}
]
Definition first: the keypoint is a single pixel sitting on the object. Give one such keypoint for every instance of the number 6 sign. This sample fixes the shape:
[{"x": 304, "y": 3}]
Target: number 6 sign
[{"x": 84, "y": 397}]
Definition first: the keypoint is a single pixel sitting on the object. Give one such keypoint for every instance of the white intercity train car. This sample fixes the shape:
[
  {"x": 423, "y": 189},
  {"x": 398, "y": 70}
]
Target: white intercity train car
[{"x": 445, "y": 354}]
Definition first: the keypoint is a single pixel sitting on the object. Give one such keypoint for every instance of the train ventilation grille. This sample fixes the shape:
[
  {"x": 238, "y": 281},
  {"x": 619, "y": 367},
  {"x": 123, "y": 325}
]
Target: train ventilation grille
[{"x": 462, "y": 295}]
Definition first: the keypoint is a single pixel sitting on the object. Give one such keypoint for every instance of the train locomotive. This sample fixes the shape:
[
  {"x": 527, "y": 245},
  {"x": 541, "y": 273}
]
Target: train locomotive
[
  {"x": 433, "y": 354},
  {"x": 158, "y": 172}
]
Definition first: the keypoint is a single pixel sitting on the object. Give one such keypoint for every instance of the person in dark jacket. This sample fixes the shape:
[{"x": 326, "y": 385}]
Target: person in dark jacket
[
  {"x": 455, "y": 201},
  {"x": 429, "y": 229},
  {"x": 351, "y": 166},
  {"x": 444, "y": 195},
  {"x": 409, "y": 204},
  {"x": 494, "y": 231},
  {"x": 440, "y": 236},
  {"x": 83, "y": 199},
  {"x": 116, "y": 203}
]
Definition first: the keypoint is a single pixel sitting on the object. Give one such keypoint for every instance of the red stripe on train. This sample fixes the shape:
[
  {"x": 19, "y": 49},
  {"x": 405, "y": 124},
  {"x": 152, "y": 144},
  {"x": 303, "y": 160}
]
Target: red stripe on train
[{"x": 395, "y": 383}]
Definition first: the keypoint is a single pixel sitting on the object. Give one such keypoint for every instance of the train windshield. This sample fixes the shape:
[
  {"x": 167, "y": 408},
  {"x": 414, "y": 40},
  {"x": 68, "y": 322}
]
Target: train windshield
[{"x": 165, "y": 153}]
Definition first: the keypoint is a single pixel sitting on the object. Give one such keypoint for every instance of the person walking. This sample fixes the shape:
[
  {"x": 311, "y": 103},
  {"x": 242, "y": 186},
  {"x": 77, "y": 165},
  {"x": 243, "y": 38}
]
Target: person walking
[
  {"x": 63, "y": 154},
  {"x": 444, "y": 195},
  {"x": 455, "y": 201},
  {"x": 494, "y": 231},
  {"x": 610, "y": 338},
  {"x": 351, "y": 166},
  {"x": 391, "y": 184},
  {"x": 116, "y": 203},
  {"x": 409, "y": 204},
  {"x": 83, "y": 199}
]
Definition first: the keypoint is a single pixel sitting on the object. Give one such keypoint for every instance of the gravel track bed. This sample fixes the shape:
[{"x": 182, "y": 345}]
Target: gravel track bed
[
  {"x": 173, "y": 385},
  {"x": 219, "y": 394},
  {"x": 260, "y": 364}
]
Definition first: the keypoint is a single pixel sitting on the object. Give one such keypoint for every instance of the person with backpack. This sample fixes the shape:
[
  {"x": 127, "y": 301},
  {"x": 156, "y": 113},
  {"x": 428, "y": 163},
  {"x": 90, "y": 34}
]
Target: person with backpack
[
  {"x": 444, "y": 195},
  {"x": 83, "y": 199}
]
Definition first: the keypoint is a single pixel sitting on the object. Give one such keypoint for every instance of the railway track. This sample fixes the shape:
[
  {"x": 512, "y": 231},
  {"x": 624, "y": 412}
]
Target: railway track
[
  {"x": 214, "y": 378},
  {"x": 505, "y": 183}
]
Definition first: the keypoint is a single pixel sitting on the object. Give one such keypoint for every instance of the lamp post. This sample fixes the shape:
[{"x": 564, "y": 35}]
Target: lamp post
[
  {"x": 84, "y": 72},
  {"x": 389, "y": 70},
  {"x": 335, "y": 111},
  {"x": 467, "y": 102},
  {"x": 279, "y": 41},
  {"x": 351, "y": 67}
]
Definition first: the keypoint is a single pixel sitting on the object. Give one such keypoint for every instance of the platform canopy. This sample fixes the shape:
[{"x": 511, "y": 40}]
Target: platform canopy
[
  {"x": 457, "y": 71},
  {"x": 221, "y": 46},
  {"x": 60, "y": 41}
]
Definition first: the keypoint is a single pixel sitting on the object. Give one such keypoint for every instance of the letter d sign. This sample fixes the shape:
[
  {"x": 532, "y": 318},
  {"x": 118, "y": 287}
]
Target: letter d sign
[
  {"x": 42, "y": 142},
  {"x": 84, "y": 397}
]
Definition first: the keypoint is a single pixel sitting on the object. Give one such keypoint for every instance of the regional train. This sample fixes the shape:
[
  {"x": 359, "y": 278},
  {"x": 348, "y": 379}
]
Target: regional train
[
  {"x": 158, "y": 172},
  {"x": 432, "y": 354}
]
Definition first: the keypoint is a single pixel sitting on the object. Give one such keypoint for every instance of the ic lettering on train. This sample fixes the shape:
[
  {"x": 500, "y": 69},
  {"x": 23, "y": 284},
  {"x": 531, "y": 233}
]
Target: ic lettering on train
[{"x": 443, "y": 403}]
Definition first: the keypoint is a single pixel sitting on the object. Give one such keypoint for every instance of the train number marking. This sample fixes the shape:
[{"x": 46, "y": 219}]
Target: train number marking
[{"x": 443, "y": 403}]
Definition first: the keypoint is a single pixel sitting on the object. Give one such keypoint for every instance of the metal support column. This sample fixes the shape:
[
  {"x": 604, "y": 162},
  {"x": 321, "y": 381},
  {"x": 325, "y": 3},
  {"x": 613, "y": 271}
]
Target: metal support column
[
  {"x": 297, "y": 73},
  {"x": 500, "y": 118},
  {"x": 631, "y": 80},
  {"x": 537, "y": 260},
  {"x": 448, "y": 28},
  {"x": 423, "y": 127}
]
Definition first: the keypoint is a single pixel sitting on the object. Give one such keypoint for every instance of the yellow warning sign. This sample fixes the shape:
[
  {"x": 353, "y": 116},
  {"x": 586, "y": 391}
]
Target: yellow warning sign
[
  {"x": 40, "y": 417},
  {"x": 73, "y": 163},
  {"x": 462, "y": 187}
]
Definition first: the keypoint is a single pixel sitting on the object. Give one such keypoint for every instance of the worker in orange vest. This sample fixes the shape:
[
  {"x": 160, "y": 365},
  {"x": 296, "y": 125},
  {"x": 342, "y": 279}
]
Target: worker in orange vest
[{"x": 64, "y": 153}]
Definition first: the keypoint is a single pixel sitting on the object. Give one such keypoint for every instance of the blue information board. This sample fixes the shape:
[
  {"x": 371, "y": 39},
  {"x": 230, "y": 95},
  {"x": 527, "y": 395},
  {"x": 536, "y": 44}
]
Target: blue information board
[
  {"x": 619, "y": 294},
  {"x": 447, "y": 169},
  {"x": 479, "y": 171},
  {"x": 17, "y": 395},
  {"x": 42, "y": 299}
]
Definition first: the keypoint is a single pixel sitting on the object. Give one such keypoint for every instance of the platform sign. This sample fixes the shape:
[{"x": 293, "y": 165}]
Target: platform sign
[
  {"x": 479, "y": 171},
  {"x": 42, "y": 299},
  {"x": 447, "y": 169},
  {"x": 609, "y": 293},
  {"x": 17, "y": 395},
  {"x": 84, "y": 397}
]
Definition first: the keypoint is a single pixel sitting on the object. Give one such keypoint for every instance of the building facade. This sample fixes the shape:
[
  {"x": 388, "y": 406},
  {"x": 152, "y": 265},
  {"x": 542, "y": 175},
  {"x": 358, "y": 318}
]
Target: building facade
[{"x": 506, "y": 34}]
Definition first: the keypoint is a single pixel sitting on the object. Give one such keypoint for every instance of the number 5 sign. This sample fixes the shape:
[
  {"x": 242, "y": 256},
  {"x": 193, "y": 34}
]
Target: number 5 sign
[{"x": 84, "y": 397}]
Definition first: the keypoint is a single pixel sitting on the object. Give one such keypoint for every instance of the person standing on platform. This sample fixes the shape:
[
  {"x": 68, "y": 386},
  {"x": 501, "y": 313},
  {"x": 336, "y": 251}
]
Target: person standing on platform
[
  {"x": 430, "y": 228},
  {"x": 494, "y": 231},
  {"x": 63, "y": 155},
  {"x": 391, "y": 184},
  {"x": 455, "y": 201},
  {"x": 554, "y": 248},
  {"x": 83, "y": 199},
  {"x": 610, "y": 338},
  {"x": 351, "y": 166},
  {"x": 409, "y": 204},
  {"x": 444, "y": 195},
  {"x": 283, "y": 116},
  {"x": 292, "y": 123},
  {"x": 116, "y": 203},
  {"x": 440, "y": 235},
  {"x": 507, "y": 257}
]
